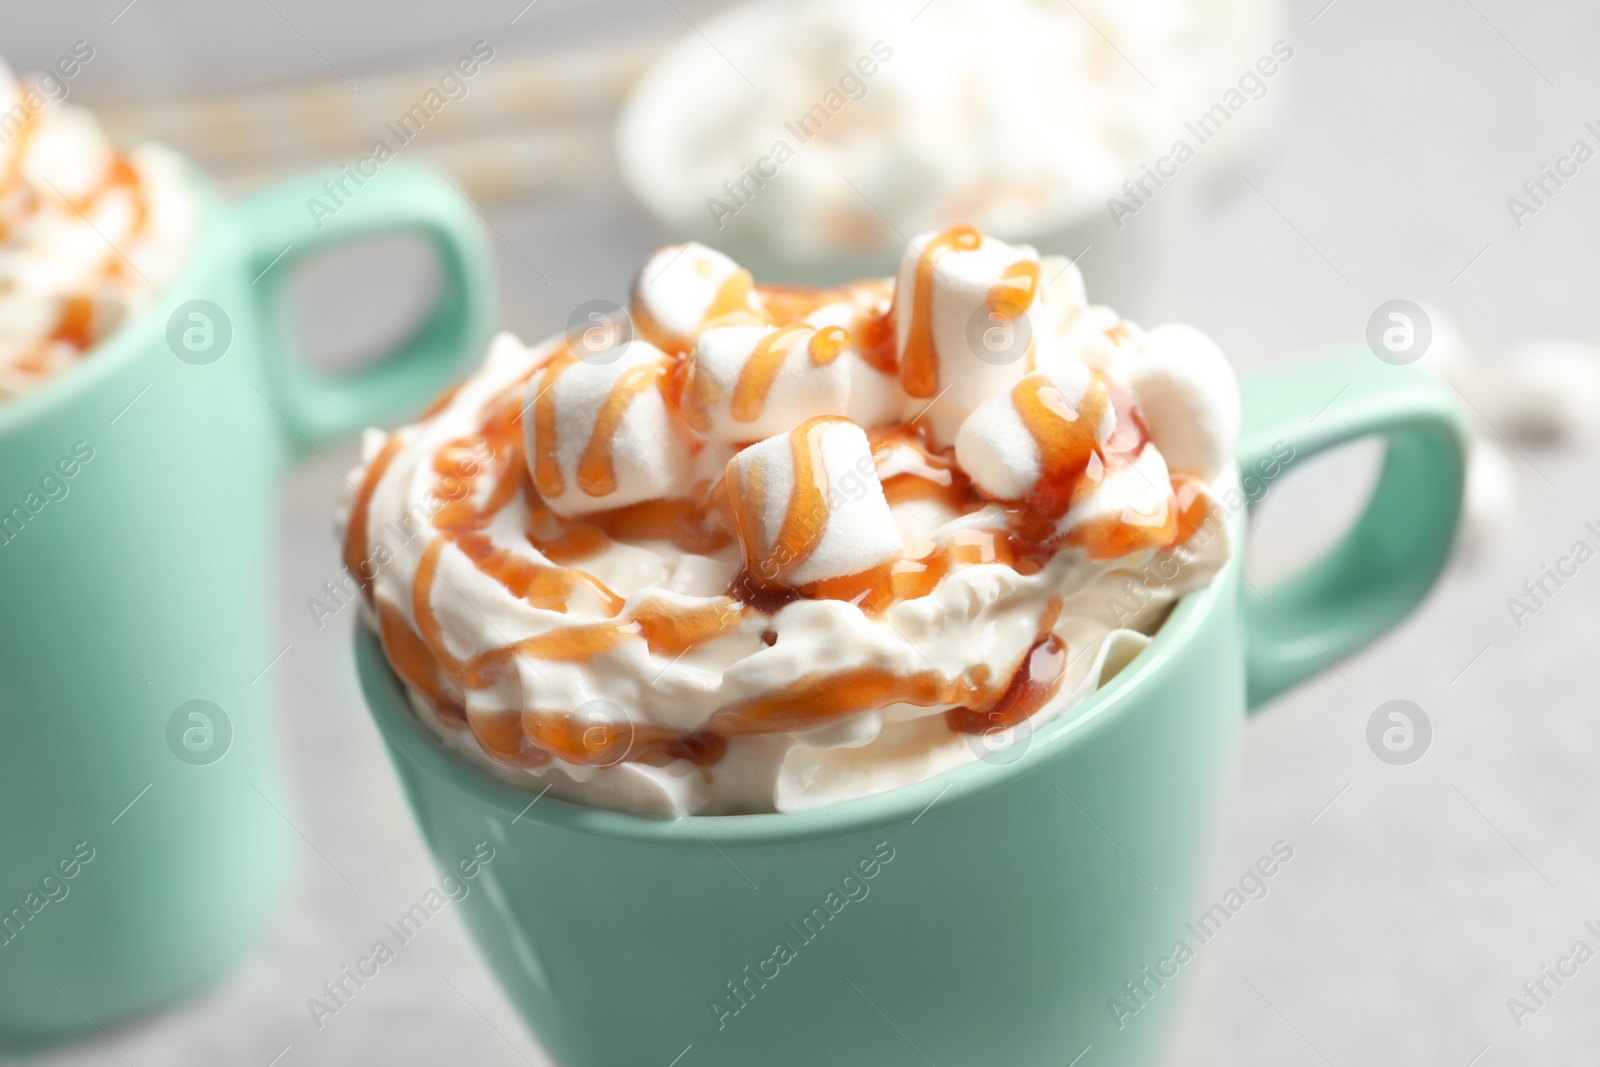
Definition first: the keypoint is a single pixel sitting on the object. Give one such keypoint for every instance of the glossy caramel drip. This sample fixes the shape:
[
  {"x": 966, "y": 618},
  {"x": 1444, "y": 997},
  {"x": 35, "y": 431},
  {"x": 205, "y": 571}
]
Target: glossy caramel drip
[
  {"x": 604, "y": 744},
  {"x": 1032, "y": 686},
  {"x": 671, "y": 630},
  {"x": 828, "y": 696},
  {"x": 701, "y": 524},
  {"x": 919, "y": 364},
  {"x": 788, "y": 304},
  {"x": 562, "y": 541},
  {"x": 874, "y": 333},
  {"x": 1109, "y": 537},
  {"x": 547, "y": 477},
  {"x": 501, "y": 735},
  {"x": 805, "y": 517},
  {"x": 827, "y": 345},
  {"x": 417, "y": 666},
  {"x": 735, "y": 294},
  {"x": 541, "y": 585},
  {"x": 597, "y": 473},
  {"x": 76, "y": 326},
  {"x": 909, "y": 578},
  {"x": 566, "y": 644},
  {"x": 1194, "y": 507},
  {"x": 871, "y": 330},
  {"x": 1016, "y": 290},
  {"x": 355, "y": 539},
  {"x": 761, "y": 370},
  {"x": 1067, "y": 439},
  {"x": 734, "y": 302}
]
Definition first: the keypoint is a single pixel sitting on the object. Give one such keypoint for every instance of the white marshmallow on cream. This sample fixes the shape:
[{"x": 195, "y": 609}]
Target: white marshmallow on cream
[
  {"x": 961, "y": 335},
  {"x": 745, "y": 383},
  {"x": 1134, "y": 494},
  {"x": 995, "y": 447},
  {"x": 683, "y": 287},
  {"x": 802, "y": 526},
  {"x": 876, "y": 398},
  {"x": 1190, "y": 399},
  {"x": 600, "y": 435}
]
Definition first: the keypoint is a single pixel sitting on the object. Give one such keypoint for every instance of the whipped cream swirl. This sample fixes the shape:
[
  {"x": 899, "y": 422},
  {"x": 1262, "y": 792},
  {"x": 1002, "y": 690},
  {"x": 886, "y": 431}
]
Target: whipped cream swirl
[{"x": 791, "y": 546}]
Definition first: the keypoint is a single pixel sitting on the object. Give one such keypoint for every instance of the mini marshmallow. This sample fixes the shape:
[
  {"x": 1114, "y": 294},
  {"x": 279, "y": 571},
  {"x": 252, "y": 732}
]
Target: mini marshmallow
[
  {"x": 995, "y": 446},
  {"x": 1064, "y": 299},
  {"x": 600, "y": 435},
  {"x": 1189, "y": 398},
  {"x": 967, "y": 316},
  {"x": 745, "y": 383},
  {"x": 876, "y": 398},
  {"x": 1547, "y": 392},
  {"x": 827, "y": 520},
  {"x": 1137, "y": 494},
  {"x": 69, "y": 154},
  {"x": 681, "y": 288}
]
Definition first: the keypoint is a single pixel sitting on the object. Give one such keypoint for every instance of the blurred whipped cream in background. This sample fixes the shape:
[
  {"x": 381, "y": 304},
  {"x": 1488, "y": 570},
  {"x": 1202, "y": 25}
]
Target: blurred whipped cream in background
[
  {"x": 830, "y": 128},
  {"x": 88, "y": 231}
]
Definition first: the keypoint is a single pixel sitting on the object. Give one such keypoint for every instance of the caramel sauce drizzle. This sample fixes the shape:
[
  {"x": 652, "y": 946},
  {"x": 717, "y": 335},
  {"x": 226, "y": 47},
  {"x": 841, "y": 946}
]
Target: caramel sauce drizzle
[
  {"x": 760, "y": 371},
  {"x": 1014, "y": 293},
  {"x": 597, "y": 474},
  {"x": 806, "y": 513},
  {"x": 76, "y": 326},
  {"x": 919, "y": 365},
  {"x": 356, "y": 549},
  {"x": 546, "y": 469},
  {"x": 734, "y": 299},
  {"x": 872, "y": 329},
  {"x": 1070, "y": 458},
  {"x": 1072, "y": 461}
]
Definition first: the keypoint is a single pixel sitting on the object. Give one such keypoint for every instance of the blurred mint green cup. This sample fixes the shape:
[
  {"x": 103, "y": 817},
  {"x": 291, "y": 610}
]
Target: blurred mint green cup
[
  {"x": 987, "y": 916},
  {"x": 144, "y": 842}
]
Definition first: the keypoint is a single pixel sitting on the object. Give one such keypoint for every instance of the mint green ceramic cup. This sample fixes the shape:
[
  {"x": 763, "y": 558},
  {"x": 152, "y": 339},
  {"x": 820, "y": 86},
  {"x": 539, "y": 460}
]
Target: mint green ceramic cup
[
  {"x": 142, "y": 846},
  {"x": 984, "y": 917}
]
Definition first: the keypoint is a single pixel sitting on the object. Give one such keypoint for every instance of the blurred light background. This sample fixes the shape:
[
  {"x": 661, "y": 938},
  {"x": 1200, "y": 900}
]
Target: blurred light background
[{"x": 1420, "y": 897}]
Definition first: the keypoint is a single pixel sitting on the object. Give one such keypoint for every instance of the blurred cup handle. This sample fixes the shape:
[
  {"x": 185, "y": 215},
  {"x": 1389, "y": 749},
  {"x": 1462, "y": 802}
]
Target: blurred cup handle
[
  {"x": 1395, "y": 552},
  {"x": 287, "y": 222}
]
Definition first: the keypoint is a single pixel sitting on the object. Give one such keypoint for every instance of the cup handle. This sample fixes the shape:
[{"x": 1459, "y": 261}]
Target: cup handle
[
  {"x": 280, "y": 227},
  {"x": 1396, "y": 550}
]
